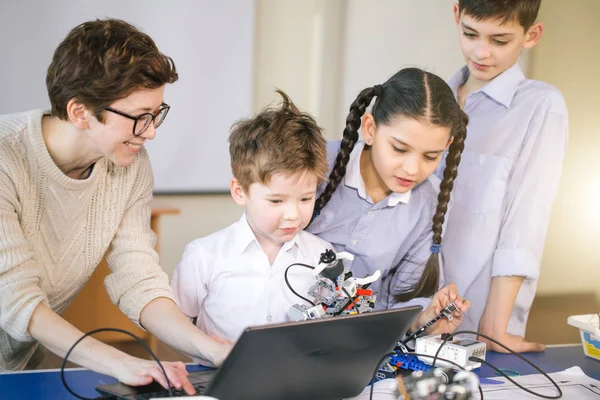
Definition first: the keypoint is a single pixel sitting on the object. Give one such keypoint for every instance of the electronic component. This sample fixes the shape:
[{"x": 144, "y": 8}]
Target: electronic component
[
  {"x": 455, "y": 350},
  {"x": 446, "y": 312},
  {"x": 438, "y": 384},
  {"x": 403, "y": 359},
  {"x": 336, "y": 291},
  {"x": 300, "y": 312},
  {"x": 398, "y": 361}
]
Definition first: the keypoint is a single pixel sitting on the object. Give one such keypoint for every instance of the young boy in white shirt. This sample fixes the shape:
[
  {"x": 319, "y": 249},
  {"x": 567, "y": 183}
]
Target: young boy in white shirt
[{"x": 234, "y": 278}]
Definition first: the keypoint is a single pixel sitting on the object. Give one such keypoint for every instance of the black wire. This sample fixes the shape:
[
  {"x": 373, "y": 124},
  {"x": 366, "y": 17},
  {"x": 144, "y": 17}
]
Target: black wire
[
  {"x": 140, "y": 341},
  {"x": 498, "y": 370},
  {"x": 351, "y": 301},
  {"x": 408, "y": 348},
  {"x": 287, "y": 282},
  {"x": 381, "y": 360},
  {"x": 422, "y": 329},
  {"x": 450, "y": 336}
]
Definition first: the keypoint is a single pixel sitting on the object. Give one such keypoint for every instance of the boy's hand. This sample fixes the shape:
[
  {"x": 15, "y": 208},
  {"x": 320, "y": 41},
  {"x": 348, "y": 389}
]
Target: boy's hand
[
  {"x": 220, "y": 352},
  {"x": 496, "y": 316},
  {"x": 223, "y": 349},
  {"x": 220, "y": 339},
  {"x": 513, "y": 342},
  {"x": 441, "y": 299}
]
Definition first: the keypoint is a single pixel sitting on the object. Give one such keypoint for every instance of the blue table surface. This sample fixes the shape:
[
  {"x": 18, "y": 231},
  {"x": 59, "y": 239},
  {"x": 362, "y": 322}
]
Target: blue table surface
[{"x": 47, "y": 384}]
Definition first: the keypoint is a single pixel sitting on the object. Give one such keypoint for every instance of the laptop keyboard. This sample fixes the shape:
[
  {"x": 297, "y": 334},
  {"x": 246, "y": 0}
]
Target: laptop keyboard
[{"x": 200, "y": 388}]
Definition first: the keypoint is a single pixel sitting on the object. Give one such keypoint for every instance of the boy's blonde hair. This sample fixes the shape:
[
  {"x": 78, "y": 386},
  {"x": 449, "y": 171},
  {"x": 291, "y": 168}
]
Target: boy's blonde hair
[{"x": 277, "y": 140}]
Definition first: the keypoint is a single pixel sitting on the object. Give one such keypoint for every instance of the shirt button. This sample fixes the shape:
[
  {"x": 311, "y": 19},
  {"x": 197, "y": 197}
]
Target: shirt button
[
  {"x": 269, "y": 318},
  {"x": 369, "y": 212},
  {"x": 354, "y": 242}
]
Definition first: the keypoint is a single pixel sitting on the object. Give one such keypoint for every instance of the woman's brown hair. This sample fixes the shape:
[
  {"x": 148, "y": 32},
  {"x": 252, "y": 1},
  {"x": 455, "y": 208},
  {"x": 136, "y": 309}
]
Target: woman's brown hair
[{"x": 102, "y": 61}]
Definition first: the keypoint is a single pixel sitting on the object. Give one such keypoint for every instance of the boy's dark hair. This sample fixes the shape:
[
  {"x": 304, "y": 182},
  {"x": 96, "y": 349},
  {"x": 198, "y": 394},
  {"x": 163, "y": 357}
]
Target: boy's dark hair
[
  {"x": 277, "y": 140},
  {"x": 523, "y": 11},
  {"x": 102, "y": 61},
  {"x": 420, "y": 95}
]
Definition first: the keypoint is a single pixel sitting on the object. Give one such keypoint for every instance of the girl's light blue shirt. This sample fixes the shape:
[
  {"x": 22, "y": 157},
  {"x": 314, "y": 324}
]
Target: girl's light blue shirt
[{"x": 393, "y": 236}]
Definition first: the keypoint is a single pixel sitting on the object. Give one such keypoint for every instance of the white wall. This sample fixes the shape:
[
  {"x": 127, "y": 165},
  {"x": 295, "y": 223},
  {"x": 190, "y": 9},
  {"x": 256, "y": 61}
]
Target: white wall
[
  {"x": 299, "y": 50},
  {"x": 322, "y": 53},
  {"x": 374, "y": 40},
  {"x": 211, "y": 44},
  {"x": 200, "y": 215},
  {"x": 385, "y": 36}
]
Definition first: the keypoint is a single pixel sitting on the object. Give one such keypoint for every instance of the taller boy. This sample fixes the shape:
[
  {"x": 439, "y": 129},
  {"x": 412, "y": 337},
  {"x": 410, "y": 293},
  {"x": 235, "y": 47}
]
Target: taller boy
[{"x": 509, "y": 172}]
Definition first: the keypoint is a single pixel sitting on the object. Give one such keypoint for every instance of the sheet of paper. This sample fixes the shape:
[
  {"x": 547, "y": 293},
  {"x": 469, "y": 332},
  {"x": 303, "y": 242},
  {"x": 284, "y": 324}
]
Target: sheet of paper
[
  {"x": 573, "y": 383},
  {"x": 386, "y": 389}
]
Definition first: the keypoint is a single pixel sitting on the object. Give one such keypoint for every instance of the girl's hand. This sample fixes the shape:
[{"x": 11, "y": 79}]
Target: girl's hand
[
  {"x": 137, "y": 372},
  {"x": 441, "y": 299}
]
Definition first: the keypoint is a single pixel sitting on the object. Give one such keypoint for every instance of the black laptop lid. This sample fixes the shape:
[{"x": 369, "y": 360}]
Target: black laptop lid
[{"x": 330, "y": 358}]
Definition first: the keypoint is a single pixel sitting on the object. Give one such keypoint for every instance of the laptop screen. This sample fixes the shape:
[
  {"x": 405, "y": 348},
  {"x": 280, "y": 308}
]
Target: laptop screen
[{"x": 328, "y": 358}]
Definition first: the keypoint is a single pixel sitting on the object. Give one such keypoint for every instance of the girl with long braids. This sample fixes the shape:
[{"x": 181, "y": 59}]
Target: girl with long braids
[{"x": 381, "y": 202}]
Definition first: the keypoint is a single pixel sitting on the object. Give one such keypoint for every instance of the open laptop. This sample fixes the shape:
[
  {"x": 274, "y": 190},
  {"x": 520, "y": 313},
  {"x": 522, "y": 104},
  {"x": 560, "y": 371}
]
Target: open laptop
[{"x": 328, "y": 359}]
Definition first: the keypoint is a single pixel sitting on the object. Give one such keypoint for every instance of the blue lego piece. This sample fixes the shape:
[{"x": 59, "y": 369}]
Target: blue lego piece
[
  {"x": 403, "y": 361},
  {"x": 408, "y": 361}
]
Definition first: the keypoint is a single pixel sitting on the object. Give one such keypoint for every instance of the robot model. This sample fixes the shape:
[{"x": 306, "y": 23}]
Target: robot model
[
  {"x": 336, "y": 291},
  {"x": 408, "y": 360}
]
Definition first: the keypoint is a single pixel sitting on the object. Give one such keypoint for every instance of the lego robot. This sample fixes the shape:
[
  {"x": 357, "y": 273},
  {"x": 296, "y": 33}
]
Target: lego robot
[{"x": 336, "y": 291}]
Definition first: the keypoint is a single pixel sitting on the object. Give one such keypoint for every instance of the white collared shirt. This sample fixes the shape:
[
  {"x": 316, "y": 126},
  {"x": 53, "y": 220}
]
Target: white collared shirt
[
  {"x": 226, "y": 281},
  {"x": 354, "y": 180}
]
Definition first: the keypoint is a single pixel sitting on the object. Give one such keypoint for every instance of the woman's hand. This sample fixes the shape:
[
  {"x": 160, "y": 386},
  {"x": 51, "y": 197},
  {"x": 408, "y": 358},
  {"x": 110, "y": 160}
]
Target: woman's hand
[
  {"x": 137, "y": 372},
  {"x": 97, "y": 356},
  {"x": 441, "y": 299}
]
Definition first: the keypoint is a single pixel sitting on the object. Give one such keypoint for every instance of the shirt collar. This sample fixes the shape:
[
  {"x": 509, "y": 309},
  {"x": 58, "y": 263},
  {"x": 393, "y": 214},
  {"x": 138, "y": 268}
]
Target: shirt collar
[
  {"x": 243, "y": 236},
  {"x": 502, "y": 88},
  {"x": 458, "y": 79},
  {"x": 354, "y": 180}
]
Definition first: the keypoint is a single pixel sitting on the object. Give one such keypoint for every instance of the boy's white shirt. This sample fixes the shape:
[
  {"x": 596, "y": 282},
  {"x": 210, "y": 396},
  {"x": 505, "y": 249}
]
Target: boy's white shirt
[{"x": 226, "y": 281}]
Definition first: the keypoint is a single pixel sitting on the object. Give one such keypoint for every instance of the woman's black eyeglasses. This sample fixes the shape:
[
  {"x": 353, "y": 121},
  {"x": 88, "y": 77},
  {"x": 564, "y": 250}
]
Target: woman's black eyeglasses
[{"x": 142, "y": 122}]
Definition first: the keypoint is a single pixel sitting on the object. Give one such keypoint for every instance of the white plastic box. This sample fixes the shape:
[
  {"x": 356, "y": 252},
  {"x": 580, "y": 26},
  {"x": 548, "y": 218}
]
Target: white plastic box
[{"x": 589, "y": 328}]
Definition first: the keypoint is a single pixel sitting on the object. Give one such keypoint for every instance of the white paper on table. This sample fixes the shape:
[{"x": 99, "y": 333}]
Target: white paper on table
[
  {"x": 572, "y": 381},
  {"x": 386, "y": 389}
]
